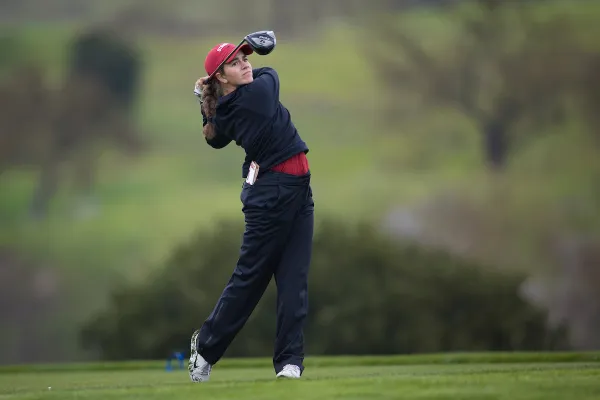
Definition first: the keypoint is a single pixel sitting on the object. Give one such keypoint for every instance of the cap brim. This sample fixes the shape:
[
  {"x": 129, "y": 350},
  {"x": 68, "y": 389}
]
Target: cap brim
[{"x": 245, "y": 48}]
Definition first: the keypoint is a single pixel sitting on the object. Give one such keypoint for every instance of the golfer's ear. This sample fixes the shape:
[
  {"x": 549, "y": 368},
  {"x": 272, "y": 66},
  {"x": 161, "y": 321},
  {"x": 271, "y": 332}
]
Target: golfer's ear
[{"x": 221, "y": 78}]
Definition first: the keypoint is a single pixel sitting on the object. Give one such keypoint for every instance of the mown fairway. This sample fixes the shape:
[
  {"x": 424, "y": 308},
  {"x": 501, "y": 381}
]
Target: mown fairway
[{"x": 439, "y": 377}]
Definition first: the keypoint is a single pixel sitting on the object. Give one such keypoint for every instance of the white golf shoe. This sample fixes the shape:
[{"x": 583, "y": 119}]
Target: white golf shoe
[
  {"x": 289, "y": 371},
  {"x": 199, "y": 368}
]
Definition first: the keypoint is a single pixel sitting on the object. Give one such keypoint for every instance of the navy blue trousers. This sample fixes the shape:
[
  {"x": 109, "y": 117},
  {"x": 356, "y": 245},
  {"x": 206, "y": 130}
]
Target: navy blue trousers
[{"x": 277, "y": 242}]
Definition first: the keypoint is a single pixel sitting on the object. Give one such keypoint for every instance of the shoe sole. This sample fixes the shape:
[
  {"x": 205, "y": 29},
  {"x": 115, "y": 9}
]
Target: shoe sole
[{"x": 286, "y": 377}]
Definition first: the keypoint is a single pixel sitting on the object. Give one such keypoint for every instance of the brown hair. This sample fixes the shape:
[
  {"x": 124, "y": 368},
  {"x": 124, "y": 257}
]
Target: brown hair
[{"x": 210, "y": 95}]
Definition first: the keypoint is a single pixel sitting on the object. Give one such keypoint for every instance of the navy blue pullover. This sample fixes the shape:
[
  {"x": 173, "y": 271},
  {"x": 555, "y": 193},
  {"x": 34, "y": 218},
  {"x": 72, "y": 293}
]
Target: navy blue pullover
[{"x": 255, "y": 119}]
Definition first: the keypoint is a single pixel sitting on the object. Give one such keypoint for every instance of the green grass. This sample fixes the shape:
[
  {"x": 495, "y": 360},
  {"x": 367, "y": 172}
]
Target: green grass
[
  {"x": 441, "y": 376},
  {"x": 329, "y": 361}
]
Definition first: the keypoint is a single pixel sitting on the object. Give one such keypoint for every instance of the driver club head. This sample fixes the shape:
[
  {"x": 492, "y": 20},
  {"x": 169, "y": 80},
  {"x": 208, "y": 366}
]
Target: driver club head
[{"x": 262, "y": 42}]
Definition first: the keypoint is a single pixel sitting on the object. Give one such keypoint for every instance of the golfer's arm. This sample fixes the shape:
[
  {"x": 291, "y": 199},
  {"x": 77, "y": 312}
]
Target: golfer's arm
[
  {"x": 266, "y": 78},
  {"x": 256, "y": 72},
  {"x": 219, "y": 141},
  {"x": 262, "y": 95}
]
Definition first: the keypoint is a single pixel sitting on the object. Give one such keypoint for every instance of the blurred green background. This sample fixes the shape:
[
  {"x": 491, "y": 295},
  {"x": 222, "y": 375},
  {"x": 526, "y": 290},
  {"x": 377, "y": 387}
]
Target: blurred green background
[{"x": 468, "y": 131}]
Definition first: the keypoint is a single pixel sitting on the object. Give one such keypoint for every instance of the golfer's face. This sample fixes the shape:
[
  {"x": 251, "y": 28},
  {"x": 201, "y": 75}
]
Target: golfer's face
[{"x": 239, "y": 70}]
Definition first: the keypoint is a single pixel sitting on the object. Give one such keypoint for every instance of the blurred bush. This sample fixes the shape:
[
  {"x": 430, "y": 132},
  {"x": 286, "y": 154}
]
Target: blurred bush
[{"x": 368, "y": 295}]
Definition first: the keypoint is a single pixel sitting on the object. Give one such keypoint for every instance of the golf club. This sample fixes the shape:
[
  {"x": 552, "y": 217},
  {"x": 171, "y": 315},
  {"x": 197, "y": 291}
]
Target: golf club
[{"x": 262, "y": 42}]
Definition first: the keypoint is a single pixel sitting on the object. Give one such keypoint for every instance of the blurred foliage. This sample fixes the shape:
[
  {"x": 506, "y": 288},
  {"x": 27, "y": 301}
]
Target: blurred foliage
[
  {"x": 103, "y": 56},
  {"x": 513, "y": 71},
  {"x": 45, "y": 127},
  {"x": 368, "y": 295}
]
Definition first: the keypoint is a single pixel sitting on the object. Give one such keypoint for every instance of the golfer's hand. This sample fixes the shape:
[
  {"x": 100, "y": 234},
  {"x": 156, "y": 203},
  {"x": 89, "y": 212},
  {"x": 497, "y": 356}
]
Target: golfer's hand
[{"x": 199, "y": 86}]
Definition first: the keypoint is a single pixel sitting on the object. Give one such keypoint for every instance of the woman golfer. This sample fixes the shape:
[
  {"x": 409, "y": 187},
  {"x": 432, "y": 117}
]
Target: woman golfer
[{"x": 241, "y": 104}]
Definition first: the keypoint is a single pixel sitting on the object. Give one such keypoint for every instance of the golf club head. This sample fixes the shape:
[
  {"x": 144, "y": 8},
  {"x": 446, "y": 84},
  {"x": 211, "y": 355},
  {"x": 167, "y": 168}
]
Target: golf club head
[{"x": 263, "y": 42}]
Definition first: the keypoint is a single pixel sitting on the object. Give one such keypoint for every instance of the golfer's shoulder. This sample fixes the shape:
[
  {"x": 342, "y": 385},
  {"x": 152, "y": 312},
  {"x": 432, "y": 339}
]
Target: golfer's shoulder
[
  {"x": 265, "y": 84},
  {"x": 265, "y": 76},
  {"x": 258, "y": 72}
]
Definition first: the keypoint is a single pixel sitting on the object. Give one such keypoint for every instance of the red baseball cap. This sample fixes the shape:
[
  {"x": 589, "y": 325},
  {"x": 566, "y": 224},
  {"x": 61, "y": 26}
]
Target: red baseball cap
[{"x": 218, "y": 53}]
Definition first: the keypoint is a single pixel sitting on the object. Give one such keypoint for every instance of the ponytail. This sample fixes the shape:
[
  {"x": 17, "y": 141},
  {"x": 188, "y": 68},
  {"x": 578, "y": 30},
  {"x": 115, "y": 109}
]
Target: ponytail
[{"x": 210, "y": 95}]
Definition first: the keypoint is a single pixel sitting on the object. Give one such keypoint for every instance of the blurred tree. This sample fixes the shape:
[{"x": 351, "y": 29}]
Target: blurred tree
[
  {"x": 54, "y": 129},
  {"x": 25, "y": 106},
  {"x": 509, "y": 71},
  {"x": 87, "y": 117},
  {"x": 95, "y": 105},
  {"x": 110, "y": 60}
]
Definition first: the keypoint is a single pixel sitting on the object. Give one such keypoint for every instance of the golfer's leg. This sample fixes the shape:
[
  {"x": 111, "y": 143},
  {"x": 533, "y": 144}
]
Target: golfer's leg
[
  {"x": 260, "y": 253},
  {"x": 291, "y": 276}
]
